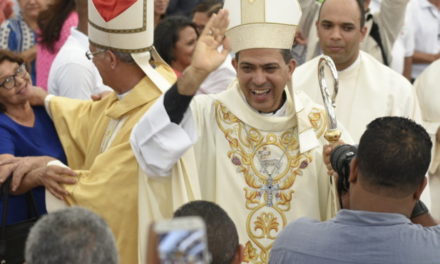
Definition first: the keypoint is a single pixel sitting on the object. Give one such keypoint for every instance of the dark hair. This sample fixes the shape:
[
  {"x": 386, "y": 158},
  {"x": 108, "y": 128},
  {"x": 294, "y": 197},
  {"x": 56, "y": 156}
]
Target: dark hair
[
  {"x": 394, "y": 155},
  {"x": 286, "y": 53},
  {"x": 166, "y": 35},
  {"x": 221, "y": 231},
  {"x": 360, "y": 4},
  {"x": 6, "y": 55},
  {"x": 208, "y": 6},
  {"x": 51, "y": 20}
]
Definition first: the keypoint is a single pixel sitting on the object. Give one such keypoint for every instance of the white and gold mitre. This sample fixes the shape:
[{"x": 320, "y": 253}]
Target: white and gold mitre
[
  {"x": 262, "y": 23},
  {"x": 124, "y": 25},
  {"x": 127, "y": 26}
]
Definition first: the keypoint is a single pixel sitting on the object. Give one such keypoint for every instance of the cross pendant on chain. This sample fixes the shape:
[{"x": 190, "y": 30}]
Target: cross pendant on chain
[{"x": 269, "y": 189}]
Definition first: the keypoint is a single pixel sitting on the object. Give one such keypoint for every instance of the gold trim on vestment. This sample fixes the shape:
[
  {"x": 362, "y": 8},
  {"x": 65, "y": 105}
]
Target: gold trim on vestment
[
  {"x": 149, "y": 48},
  {"x": 270, "y": 163}
]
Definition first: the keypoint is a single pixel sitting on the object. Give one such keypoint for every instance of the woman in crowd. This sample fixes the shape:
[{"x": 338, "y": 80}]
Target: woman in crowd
[
  {"x": 25, "y": 131},
  {"x": 55, "y": 23},
  {"x": 160, "y": 7},
  {"x": 175, "y": 39},
  {"x": 18, "y": 34}
]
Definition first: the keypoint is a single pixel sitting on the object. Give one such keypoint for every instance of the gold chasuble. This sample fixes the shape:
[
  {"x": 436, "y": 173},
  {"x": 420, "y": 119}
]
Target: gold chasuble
[
  {"x": 265, "y": 171},
  {"x": 110, "y": 181}
]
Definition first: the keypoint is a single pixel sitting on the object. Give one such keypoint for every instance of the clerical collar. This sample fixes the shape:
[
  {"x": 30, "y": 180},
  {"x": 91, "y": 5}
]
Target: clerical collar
[
  {"x": 353, "y": 65},
  {"x": 280, "y": 111}
]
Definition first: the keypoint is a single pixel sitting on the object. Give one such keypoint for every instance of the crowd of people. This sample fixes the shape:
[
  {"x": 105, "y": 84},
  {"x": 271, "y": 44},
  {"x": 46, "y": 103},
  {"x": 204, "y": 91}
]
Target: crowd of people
[{"x": 116, "y": 115}]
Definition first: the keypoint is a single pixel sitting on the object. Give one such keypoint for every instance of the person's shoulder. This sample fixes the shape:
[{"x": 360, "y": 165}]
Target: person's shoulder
[
  {"x": 303, "y": 223},
  {"x": 3, "y": 119},
  {"x": 306, "y": 66},
  {"x": 315, "y": 111},
  {"x": 300, "y": 228},
  {"x": 433, "y": 68},
  {"x": 204, "y": 101},
  {"x": 382, "y": 71}
]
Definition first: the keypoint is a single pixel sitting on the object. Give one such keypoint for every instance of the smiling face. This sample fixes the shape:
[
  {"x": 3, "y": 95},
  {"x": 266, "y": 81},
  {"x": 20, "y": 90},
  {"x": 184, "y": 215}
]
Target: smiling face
[
  {"x": 184, "y": 48},
  {"x": 263, "y": 75},
  {"x": 31, "y": 8},
  {"x": 18, "y": 94},
  {"x": 340, "y": 32}
]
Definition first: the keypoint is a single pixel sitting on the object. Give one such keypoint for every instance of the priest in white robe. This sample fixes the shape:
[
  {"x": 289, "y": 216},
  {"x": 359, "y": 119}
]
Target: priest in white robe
[
  {"x": 367, "y": 88},
  {"x": 427, "y": 91},
  {"x": 382, "y": 28},
  {"x": 259, "y": 146}
]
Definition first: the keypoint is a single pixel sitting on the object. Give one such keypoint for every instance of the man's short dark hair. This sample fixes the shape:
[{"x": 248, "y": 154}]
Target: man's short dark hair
[
  {"x": 286, "y": 53},
  {"x": 394, "y": 155},
  {"x": 360, "y": 4},
  {"x": 208, "y": 6},
  {"x": 222, "y": 234}
]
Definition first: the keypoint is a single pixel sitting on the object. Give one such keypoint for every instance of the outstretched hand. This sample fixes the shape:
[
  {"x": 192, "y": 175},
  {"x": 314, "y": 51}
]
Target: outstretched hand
[
  {"x": 211, "y": 50},
  {"x": 54, "y": 177}
]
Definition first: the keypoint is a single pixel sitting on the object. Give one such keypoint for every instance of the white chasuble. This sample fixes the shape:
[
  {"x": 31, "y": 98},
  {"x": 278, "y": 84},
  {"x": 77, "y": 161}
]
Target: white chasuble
[{"x": 265, "y": 171}]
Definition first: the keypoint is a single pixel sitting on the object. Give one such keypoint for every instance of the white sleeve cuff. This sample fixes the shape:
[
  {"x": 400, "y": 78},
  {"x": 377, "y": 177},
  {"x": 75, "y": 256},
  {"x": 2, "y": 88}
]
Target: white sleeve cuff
[
  {"x": 159, "y": 143},
  {"x": 57, "y": 163},
  {"x": 47, "y": 104}
]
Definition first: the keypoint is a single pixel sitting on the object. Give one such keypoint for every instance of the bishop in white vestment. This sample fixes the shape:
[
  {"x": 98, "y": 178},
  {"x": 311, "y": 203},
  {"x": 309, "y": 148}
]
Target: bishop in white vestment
[{"x": 265, "y": 168}]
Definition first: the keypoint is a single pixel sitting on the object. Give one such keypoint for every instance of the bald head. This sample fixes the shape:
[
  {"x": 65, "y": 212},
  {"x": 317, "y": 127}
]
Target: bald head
[
  {"x": 362, "y": 6},
  {"x": 340, "y": 30}
]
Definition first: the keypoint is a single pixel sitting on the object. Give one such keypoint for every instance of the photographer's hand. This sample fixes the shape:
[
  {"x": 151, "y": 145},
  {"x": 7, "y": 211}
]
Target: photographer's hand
[
  {"x": 421, "y": 215},
  {"x": 326, "y": 151}
]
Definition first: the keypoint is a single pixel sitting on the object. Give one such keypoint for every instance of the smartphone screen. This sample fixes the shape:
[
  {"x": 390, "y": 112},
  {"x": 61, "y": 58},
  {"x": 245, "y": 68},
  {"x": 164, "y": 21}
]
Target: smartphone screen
[{"x": 182, "y": 240}]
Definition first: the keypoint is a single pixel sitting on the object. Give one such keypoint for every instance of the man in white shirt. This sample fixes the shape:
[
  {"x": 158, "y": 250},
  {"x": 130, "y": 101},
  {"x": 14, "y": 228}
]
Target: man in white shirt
[
  {"x": 426, "y": 18},
  {"x": 72, "y": 74}
]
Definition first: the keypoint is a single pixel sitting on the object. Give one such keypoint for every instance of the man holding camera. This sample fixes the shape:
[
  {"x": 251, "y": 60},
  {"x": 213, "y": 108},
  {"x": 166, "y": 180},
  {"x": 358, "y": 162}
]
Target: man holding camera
[{"x": 386, "y": 179}]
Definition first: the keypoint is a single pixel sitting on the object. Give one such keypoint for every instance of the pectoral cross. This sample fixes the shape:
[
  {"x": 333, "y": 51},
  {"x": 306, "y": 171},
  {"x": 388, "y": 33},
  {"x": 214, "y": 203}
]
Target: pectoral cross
[{"x": 269, "y": 189}]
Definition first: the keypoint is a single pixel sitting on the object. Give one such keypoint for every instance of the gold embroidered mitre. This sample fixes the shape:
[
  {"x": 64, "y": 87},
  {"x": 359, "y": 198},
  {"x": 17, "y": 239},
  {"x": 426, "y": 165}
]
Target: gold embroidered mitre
[{"x": 262, "y": 23}]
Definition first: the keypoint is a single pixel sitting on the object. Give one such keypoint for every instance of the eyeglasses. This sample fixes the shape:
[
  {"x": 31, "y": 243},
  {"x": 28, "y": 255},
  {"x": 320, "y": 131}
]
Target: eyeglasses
[
  {"x": 10, "y": 81},
  {"x": 90, "y": 54}
]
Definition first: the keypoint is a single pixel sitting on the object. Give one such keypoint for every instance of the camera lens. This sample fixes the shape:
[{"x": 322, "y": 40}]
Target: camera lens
[{"x": 341, "y": 156}]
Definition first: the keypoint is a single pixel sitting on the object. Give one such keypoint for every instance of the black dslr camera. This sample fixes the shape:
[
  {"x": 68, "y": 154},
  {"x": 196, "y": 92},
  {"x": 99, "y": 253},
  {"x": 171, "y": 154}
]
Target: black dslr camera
[{"x": 340, "y": 159}]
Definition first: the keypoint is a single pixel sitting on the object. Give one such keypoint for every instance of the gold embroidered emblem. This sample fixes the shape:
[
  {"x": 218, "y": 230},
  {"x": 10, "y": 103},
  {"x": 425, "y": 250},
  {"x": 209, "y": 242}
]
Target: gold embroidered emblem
[
  {"x": 318, "y": 120},
  {"x": 269, "y": 163}
]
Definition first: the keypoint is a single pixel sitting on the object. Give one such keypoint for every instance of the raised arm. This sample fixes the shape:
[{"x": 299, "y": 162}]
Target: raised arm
[{"x": 167, "y": 130}]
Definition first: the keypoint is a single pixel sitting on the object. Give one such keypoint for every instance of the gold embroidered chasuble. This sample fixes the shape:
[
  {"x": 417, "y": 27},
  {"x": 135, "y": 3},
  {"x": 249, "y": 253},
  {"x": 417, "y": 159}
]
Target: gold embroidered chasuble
[
  {"x": 110, "y": 182},
  {"x": 258, "y": 169}
]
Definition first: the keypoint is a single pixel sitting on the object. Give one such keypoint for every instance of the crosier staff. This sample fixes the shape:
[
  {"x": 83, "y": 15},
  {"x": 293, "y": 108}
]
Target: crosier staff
[{"x": 333, "y": 134}]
